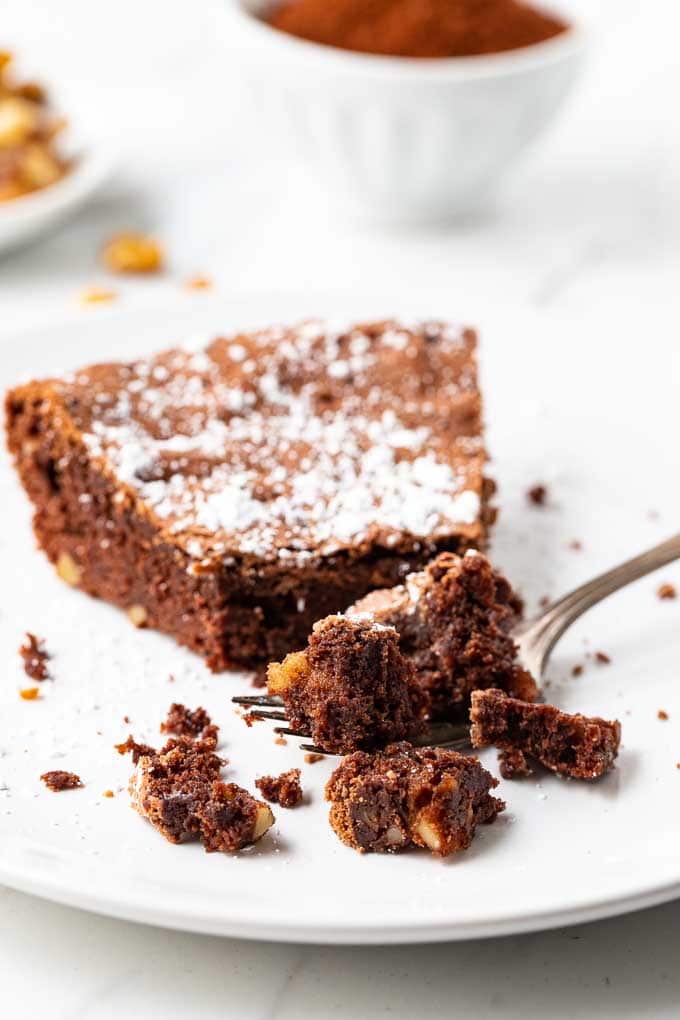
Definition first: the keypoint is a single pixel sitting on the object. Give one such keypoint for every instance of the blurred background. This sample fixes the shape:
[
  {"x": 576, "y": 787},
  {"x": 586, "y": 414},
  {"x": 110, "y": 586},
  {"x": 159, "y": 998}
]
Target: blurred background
[{"x": 589, "y": 219}]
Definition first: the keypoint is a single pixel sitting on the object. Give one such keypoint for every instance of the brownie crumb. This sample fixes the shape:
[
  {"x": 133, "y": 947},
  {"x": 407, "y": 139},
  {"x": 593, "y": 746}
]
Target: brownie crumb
[
  {"x": 281, "y": 741},
  {"x": 667, "y": 591},
  {"x": 313, "y": 757},
  {"x": 29, "y": 693},
  {"x": 126, "y": 720},
  {"x": 454, "y": 621},
  {"x": 131, "y": 746},
  {"x": 602, "y": 658},
  {"x": 250, "y": 718},
  {"x": 179, "y": 790},
  {"x": 538, "y": 495},
  {"x": 284, "y": 790},
  {"x": 662, "y": 714},
  {"x": 406, "y": 796},
  {"x": 108, "y": 793},
  {"x": 576, "y": 745},
  {"x": 35, "y": 657},
  {"x": 577, "y": 670},
  {"x": 58, "y": 781},
  {"x": 575, "y": 545},
  {"x": 544, "y": 602},
  {"x": 187, "y": 722},
  {"x": 513, "y": 764}
]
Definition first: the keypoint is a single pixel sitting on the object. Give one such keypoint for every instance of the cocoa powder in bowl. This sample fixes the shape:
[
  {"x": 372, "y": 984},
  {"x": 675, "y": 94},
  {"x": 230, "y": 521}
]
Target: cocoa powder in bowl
[{"x": 417, "y": 28}]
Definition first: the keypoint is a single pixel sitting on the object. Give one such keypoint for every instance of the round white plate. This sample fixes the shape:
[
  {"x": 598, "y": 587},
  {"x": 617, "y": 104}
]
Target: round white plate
[
  {"x": 23, "y": 219},
  {"x": 564, "y": 407}
]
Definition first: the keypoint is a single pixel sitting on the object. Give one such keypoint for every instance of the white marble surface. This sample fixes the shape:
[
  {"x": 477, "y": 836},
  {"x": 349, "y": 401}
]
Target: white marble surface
[{"x": 589, "y": 226}]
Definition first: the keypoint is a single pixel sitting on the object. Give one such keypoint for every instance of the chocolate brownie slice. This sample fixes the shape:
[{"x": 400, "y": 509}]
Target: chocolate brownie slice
[
  {"x": 454, "y": 620},
  {"x": 573, "y": 745},
  {"x": 179, "y": 790},
  {"x": 405, "y": 796},
  {"x": 351, "y": 687},
  {"x": 234, "y": 493}
]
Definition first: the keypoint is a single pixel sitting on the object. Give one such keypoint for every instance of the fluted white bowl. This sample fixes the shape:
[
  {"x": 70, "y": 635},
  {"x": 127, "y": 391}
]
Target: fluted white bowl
[{"x": 405, "y": 139}]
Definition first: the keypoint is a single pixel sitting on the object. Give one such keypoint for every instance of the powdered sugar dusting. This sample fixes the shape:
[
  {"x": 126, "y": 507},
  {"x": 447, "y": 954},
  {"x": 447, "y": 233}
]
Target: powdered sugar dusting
[{"x": 290, "y": 442}]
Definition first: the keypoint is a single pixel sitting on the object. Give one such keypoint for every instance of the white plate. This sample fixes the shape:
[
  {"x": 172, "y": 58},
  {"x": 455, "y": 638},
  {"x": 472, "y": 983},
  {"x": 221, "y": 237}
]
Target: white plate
[
  {"x": 561, "y": 409},
  {"x": 25, "y": 218}
]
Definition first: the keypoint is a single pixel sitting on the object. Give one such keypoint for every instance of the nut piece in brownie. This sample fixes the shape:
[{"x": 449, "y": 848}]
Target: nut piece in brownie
[
  {"x": 405, "y": 796},
  {"x": 351, "y": 687},
  {"x": 179, "y": 790},
  {"x": 284, "y": 789},
  {"x": 454, "y": 620},
  {"x": 573, "y": 745},
  {"x": 234, "y": 493}
]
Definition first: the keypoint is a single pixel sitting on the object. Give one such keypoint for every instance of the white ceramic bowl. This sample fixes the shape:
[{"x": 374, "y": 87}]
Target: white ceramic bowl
[
  {"x": 30, "y": 216},
  {"x": 405, "y": 139}
]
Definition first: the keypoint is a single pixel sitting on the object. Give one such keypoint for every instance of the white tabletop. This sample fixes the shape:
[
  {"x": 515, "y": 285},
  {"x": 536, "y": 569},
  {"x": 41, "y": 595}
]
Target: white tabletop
[{"x": 589, "y": 227}]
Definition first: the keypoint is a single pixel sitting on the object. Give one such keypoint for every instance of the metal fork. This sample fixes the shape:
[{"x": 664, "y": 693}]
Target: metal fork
[{"x": 535, "y": 640}]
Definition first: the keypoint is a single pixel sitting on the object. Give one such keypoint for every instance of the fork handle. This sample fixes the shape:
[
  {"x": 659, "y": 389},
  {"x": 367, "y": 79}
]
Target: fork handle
[{"x": 538, "y": 636}]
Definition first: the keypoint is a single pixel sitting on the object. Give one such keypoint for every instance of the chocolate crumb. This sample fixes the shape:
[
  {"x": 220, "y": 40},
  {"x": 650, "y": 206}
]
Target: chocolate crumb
[
  {"x": 58, "y": 780},
  {"x": 602, "y": 658},
  {"x": 284, "y": 790},
  {"x": 281, "y": 741},
  {"x": 108, "y": 793},
  {"x": 137, "y": 750},
  {"x": 29, "y": 693},
  {"x": 250, "y": 718},
  {"x": 185, "y": 722},
  {"x": 538, "y": 495},
  {"x": 512, "y": 763},
  {"x": 180, "y": 791},
  {"x": 313, "y": 757},
  {"x": 35, "y": 657},
  {"x": 667, "y": 591},
  {"x": 577, "y": 670},
  {"x": 544, "y": 601},
  {"x": 126, "y": 720},
  {"x": 662, "y": 714},
  {"x": 576, "y": 545}
]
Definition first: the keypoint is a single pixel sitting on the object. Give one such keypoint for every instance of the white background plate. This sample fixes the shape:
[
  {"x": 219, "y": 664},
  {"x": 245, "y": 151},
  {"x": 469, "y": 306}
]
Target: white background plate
[{"x": 589, "y": 417}]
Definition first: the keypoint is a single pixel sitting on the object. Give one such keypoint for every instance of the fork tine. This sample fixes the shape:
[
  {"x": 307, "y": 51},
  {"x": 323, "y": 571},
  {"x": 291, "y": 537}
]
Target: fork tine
[
  {"x": 258, "y": 699},
  {"x": 285, "y": 732},
  {"x": 259, "y": 714},
  {"x": 317, "y": 750}
]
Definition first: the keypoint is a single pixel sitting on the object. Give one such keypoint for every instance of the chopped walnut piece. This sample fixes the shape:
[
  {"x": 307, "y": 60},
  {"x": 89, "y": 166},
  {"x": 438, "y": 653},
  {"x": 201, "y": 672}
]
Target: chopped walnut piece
[
  {"x": 667, "y": 591},
  {"x": 29, "y": 159},
  {"x": 35, "y": 657},
  {"x": 97, "y": 296},
  {"x": 199, "y": 283},
  {"x": 312, "y": 757},
  {"x": 284, "y": 789},
  {"x": 133, "y": 253},
  {"x": 29, "y": 693},
  {"x": 58, "y": 780},
  {"x": 67, "y": 569},
  {"x": 137, "y": 615}
]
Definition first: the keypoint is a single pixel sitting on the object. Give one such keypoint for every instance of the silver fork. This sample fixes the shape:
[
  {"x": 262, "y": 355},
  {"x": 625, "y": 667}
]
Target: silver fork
[{"x": 535, "y": 640}]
